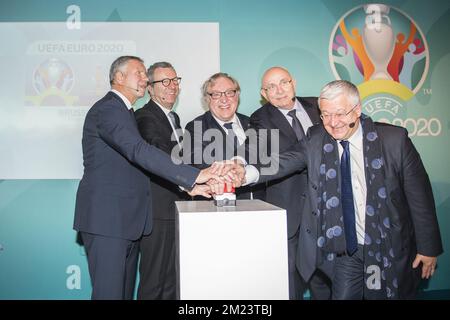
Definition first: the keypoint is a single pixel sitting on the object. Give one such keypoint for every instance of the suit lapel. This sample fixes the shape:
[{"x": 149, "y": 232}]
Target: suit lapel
[
  {"x": 311, "y": 110},
  {"x": 212, "y": 123},
  {"x": 161, "y": 121},
  {"x": 280, "y": 122},
  {"x": 245, "y": 121}
]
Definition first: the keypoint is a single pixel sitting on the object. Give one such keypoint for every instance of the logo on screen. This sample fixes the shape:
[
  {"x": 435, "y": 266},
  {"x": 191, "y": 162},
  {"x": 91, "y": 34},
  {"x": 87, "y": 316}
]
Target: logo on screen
[{"x": 52, "y": 81}]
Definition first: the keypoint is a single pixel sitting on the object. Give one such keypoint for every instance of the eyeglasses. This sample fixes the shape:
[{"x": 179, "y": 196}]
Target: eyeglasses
[
  {"x": 217, "y": 95},
  {"x": 326, "y": 117},
  {"x": 166, "y": 82},
  {"x": 272, "y": 88}
]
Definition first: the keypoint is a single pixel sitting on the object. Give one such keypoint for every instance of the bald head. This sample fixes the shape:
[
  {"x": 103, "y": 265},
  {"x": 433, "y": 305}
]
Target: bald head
[
  {"x": 273, "y": 72},
  {"x": 278, "y": 87}
]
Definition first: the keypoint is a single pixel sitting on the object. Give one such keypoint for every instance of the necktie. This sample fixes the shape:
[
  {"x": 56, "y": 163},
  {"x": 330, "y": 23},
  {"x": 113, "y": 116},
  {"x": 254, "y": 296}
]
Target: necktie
[
  {"x": 348, "y": 208},
  {"x": 232, "y": 136},
  {"x": 296, "y": 125},
  {"x": 175, "y": 120},
  {"x": 131, "y": 111}
]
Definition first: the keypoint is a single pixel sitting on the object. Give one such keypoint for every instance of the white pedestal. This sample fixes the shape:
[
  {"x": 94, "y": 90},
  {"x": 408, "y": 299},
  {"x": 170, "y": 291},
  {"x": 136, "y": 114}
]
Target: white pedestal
[{"x": 231, "y": 252}]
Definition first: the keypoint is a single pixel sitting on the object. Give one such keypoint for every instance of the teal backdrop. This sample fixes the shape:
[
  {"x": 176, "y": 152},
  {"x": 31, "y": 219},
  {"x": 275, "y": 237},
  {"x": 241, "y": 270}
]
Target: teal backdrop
[{"x": 39, "y": 255}]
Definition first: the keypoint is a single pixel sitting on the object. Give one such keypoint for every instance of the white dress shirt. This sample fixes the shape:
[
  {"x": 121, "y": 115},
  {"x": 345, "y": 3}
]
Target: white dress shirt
[
  {"x": 166, "y": 112},
  {"x": 301, "y": 114},
  {"x": 237, "y": 128}
]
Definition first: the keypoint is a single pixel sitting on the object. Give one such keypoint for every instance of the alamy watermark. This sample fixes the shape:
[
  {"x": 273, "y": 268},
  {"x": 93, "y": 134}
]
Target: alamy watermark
[{"x": 261, "y": 147}]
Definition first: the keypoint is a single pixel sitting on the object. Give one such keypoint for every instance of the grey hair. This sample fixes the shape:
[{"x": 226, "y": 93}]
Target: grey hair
[
  {"x": 211, "y": 80},
  {"x": 334, "y": 89},
  {"x": 119, "y": 64},
  {"x": 156, "y": 65}
]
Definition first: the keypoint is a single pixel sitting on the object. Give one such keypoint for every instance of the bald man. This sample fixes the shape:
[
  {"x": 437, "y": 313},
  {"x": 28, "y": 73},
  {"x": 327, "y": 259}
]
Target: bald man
[{"x": 292, "y": 116}]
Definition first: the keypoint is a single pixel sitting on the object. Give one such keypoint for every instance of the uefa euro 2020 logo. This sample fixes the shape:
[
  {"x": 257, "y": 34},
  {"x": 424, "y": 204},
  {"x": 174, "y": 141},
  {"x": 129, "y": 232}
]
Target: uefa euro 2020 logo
[
  {"x": 52, "y": 81},
  {"x": 383, "y": 51}
]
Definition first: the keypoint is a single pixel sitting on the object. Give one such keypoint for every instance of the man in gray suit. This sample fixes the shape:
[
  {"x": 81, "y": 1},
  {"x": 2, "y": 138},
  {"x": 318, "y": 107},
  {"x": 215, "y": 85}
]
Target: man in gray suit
[
  {"x": 370, "y": 221},
  {"x": 114, "y": 196}
]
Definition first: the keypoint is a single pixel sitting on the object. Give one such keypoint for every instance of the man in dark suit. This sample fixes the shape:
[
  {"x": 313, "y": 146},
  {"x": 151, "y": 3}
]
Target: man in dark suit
[
  {"x": 157, "y": 123},
  {"x": 218, "y": 134},
  {"x": 292, "y": 116},
  {"x": 371, "y": 219},
  {"x": 114, "y": 196}
]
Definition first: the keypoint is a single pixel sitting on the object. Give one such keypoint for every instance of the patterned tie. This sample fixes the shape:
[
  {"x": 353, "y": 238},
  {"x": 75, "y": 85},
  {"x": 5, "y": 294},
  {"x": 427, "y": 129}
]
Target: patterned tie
[
  {"x": 296, "y": 125},
  {"x": 232, "y": 136},
  {"x": 348, "y": 208}
]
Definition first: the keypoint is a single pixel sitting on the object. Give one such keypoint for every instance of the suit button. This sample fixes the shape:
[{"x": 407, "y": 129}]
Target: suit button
[
  {"x": 314, "y": 187},
  {"x": 314, "y": 213},
  {"x": 308, "y": 231}
]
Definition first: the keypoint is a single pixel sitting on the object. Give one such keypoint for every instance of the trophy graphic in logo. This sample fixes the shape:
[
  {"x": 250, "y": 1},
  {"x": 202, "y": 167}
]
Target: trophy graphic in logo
[
  {"x": 378, "y": 39},
  {"x": 52, "y": 81},
  {"x": 381, "y": 50}
]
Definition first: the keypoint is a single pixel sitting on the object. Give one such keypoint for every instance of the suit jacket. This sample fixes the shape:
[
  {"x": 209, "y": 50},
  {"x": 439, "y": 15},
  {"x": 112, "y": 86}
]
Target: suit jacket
[
  {"x": 157, "y": 131},
  {"x": 114, "y": 195},
  {"x": 409, "y": 197},
  {"x": 288, "y": 192},
  {"x": 191, "y": 149}
]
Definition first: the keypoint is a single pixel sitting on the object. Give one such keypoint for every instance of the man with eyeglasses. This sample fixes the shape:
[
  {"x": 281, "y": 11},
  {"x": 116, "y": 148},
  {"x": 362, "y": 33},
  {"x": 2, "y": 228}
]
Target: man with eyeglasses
[
  {"x": 159, "y": 125},
  {"x": 370, "y": 222},
  {"x": 222, "y": 122},
  {"x": 113, "y": 202},
  {"x": 292, "y": 116}
]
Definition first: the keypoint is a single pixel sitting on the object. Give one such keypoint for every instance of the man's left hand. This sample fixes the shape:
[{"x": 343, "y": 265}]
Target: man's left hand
[{"x": 428, "y": 265}]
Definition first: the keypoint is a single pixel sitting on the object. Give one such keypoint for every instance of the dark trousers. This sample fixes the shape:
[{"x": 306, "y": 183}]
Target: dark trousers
[
  {"x": 112, "y": 266},
  {"x": 320, "y": 286},
  {"x": 157, "y": 265},
  {"x": 348, "y": 280},
  {"x": 297, "y": 286}
]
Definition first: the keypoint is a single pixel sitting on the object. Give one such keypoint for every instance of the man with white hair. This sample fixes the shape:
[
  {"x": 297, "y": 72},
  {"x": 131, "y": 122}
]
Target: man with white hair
[{"x": 370, "y": 223}]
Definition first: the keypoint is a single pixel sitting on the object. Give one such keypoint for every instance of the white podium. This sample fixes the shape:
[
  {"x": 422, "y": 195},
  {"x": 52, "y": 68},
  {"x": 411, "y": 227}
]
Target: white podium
[{"x": 231, "y": 253}]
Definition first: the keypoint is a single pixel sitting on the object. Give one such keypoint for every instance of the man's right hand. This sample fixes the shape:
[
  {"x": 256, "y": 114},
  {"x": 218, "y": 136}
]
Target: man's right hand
[
  {"x": 217, "y": 171},
  {"x": 232, "y": 173}
]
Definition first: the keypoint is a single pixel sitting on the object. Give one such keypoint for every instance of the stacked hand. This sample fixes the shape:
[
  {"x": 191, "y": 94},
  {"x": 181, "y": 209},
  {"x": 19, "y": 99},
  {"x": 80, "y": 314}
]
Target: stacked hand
[{"x": 212, "y": 180}]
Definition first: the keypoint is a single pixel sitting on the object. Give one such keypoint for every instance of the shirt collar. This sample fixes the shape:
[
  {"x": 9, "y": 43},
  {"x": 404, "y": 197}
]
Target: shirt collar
[
  {"x": 235, "y": 119},
  {"x": 124, "y": 99},
  {"x": 356, "y": 138},
  {"x": 165, "y": 110},
  {"x": 285, "y": 111},
  {"x": 297, "y": 107}
]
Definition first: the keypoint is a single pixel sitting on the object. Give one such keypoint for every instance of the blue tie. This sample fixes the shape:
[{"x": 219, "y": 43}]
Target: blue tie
[{"x": 348, "y": 207}]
